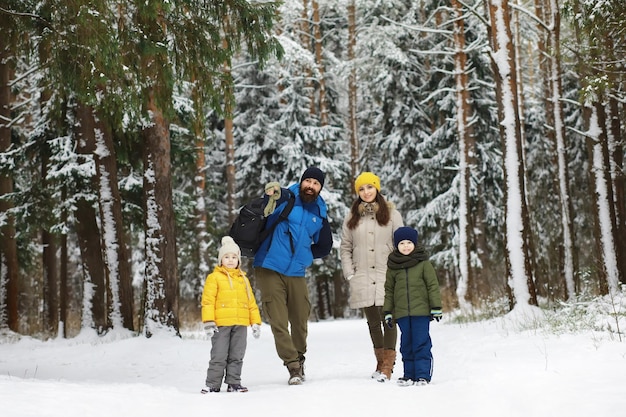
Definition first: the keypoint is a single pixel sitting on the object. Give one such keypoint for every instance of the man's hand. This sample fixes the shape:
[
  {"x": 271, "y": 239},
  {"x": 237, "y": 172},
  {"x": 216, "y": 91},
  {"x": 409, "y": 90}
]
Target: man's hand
[{"x": 272, "y": 189}]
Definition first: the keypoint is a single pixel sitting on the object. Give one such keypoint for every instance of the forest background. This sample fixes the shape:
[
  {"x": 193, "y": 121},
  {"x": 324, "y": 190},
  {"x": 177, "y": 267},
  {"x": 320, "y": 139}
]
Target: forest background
[{"x": 132, "y": 131}]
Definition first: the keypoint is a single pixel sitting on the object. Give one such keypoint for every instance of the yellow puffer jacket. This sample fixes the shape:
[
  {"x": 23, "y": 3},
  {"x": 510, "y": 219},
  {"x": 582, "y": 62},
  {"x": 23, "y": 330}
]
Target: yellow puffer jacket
[{"x": 228, "y": 300}]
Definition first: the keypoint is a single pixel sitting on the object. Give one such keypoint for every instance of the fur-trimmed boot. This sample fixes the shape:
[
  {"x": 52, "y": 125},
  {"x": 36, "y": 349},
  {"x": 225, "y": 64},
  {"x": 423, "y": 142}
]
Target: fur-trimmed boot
[
  {"x": 389, "y": 360},
  {"x": 379, "y": 362}
]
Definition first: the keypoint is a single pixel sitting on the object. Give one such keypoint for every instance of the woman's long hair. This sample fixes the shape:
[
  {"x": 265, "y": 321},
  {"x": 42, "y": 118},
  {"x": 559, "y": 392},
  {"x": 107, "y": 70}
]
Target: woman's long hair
[{"x": 382, "y": 214}]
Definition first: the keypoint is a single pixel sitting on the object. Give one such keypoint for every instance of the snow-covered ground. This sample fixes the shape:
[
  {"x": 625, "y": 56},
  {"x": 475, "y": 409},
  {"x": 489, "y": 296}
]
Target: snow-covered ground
[{"x": 489, "y": 368}]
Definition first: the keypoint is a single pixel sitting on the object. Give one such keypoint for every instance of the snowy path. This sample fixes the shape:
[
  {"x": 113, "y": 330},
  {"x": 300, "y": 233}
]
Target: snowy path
[{"x": 481, "y": 370}]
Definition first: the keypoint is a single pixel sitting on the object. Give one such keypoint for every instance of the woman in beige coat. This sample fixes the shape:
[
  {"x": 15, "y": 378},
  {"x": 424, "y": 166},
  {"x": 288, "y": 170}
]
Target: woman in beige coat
[{"x": 366, "y": 242}]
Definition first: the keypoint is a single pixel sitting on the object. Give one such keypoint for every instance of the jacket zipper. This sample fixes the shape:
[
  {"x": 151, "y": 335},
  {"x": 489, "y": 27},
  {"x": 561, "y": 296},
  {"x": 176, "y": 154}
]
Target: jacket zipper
[{"x": 408, "y": 297}]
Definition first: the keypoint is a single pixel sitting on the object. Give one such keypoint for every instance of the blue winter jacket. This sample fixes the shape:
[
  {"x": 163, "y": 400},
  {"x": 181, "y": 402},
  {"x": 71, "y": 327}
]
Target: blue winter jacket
[{"x": 305, "y": 235}]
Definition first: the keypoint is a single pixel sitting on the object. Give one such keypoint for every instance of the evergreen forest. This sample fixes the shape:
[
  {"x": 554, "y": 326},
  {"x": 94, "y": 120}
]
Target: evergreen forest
[{"x": 132, "y": 131}]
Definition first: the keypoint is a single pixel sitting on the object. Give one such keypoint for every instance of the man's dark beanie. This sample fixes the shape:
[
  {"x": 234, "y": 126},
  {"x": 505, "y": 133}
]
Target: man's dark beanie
[{"x": 314, "y": 172}]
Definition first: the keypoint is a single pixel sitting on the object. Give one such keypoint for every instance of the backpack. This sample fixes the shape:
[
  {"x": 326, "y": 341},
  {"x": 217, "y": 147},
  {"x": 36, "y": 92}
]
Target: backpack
[{"x": 248, "y": 230}]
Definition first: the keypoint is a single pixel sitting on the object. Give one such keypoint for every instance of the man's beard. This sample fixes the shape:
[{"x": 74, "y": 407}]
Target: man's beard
[{"x": 308, "y": 194}]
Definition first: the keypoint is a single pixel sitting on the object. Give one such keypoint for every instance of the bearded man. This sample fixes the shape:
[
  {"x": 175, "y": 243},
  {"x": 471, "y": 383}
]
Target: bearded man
[{"x": 281, "y": 261}]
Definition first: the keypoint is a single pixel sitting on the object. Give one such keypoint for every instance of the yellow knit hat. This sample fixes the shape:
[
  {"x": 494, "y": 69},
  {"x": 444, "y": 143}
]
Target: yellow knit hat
[{"x": 366, "y": 178}]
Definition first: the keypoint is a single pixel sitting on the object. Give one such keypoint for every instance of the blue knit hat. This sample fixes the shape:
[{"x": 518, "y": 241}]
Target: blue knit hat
[
  {"x": 404, "y": 233},
  {"x": 314, "y": 172}
]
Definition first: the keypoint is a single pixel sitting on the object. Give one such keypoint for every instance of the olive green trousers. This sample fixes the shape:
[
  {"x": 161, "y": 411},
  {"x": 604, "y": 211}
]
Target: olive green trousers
[
  {"x": 382, "y": 336},
  {"x": 285, "y": 303}
]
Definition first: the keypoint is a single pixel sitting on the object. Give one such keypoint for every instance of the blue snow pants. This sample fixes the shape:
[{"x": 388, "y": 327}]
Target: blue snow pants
[{"x": 415, "y": 347}]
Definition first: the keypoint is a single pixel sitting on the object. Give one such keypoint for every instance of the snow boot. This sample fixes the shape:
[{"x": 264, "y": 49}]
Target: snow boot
[
  {"x": 389, "y": 360},
  {"x": 379, "y": 362},
  {"x": 295, "y": 373},
  {"x": 405, "y": 382},
  {"x": 237, "y": 388},
  {"x": 301, "y": 360}
]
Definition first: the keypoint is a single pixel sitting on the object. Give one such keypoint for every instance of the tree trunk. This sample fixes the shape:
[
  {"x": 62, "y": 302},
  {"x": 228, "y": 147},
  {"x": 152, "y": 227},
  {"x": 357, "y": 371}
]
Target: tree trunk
[
  {"x": 117, "y": 259},
  {"x": 9, "y": 268},
  {"x": 556, "y": 95},
  {"x": 200, "y": 184},
  {"x": 229, "y": 145},
  {"x": 64, "y": 291},
  {"x": 161, "y": 264},
  {"x": 517, "y": 222},
  {"x": 466, "y": 148},
  {"x": 50, "y": 264},
  {"x": 161, "y": 268},
  {"x": 305, "y": 39},
  {"x": 94, "y": 302},
  {"x": 89, "y": 239},
  {"x": 605, "y": 209},
  {"x": 616, "y": 149},
  {"x": 352, "y": 92},
  {"x": 317, "y": 30},
  {"x": 598, "y": 269}
]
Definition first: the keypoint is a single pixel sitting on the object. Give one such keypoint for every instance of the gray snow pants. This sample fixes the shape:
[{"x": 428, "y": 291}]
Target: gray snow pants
[{"x": 227, "y": 352}]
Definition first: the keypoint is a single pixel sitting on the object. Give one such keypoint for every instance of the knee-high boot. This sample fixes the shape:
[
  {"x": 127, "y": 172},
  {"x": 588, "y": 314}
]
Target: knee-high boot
[
  {"x": 389, "y": 360},
  {"x": 379, "y": 362}
]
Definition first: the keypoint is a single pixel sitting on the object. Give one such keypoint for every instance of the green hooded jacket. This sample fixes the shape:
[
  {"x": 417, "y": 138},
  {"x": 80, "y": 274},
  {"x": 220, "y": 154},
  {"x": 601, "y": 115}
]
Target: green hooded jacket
[{"x": 411, "y": 286}]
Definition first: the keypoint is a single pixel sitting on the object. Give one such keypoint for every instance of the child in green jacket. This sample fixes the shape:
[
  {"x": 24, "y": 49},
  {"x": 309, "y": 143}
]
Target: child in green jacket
[{"x": 413, "y": 299}]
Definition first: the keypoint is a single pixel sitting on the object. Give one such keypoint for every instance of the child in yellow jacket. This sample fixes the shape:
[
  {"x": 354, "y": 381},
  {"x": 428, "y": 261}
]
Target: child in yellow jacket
[{"x": 228, "y": 308}]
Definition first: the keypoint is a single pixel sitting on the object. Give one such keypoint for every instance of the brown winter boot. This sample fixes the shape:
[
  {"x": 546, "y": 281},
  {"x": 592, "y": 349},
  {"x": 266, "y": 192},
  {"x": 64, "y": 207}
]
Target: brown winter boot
[
  {"x": 389, "y": 359},
  {"x": 379, "y": 362},
  {"x": 295, "y": 373}
]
